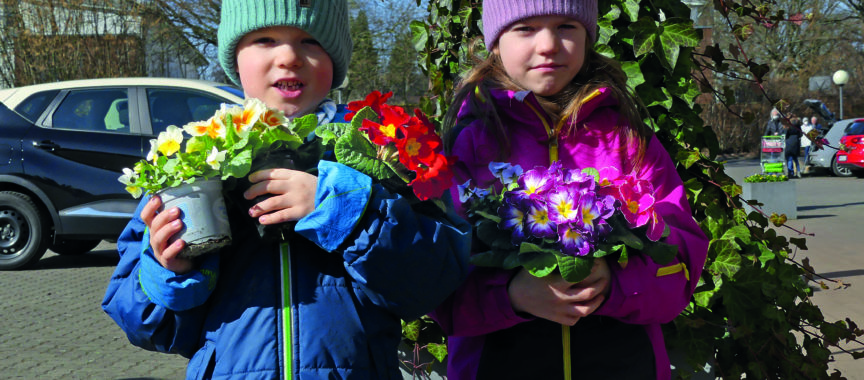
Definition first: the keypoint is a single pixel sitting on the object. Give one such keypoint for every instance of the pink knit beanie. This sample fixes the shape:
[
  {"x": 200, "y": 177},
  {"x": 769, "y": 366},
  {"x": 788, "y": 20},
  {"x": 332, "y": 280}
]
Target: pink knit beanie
[{"x": 499, "y": 14}]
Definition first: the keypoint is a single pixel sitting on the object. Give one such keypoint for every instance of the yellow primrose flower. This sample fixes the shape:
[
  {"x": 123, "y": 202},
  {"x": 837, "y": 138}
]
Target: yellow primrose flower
[
  {"x": 215, "y": 158},
  {"x": 213, "y": 127},
  {"x": 169, "y": 141}
]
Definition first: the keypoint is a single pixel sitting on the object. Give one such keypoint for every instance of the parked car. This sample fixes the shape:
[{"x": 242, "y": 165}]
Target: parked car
[
  {"x": 851, "y": 154},
  {"x": 62, "y": 147},
  {"x": 827, "y": 156}
]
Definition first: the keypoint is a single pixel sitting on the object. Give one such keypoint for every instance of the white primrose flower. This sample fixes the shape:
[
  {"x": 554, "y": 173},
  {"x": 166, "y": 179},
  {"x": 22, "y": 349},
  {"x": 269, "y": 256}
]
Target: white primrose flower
[
  {"x": 169, "y": 141},
  {"x": 151, "y": 155},
  {"x": 128, "y": 178},
  {"x": 213, "y": 127},
  {"x": 215, "y": 158}
]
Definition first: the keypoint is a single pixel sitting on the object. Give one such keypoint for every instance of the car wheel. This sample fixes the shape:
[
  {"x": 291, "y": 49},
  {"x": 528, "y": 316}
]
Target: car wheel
[
  {"x": 73, "y": 247},
  {"x": 840, "y": 171},
  {"x": 23, "y": 238}
]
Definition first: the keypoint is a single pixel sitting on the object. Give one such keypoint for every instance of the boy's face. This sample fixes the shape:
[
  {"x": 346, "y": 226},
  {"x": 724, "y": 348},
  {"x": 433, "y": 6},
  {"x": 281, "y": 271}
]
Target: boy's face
[
  {"x": 544, "y": 53},
  {"x": 285, "y": 68}
]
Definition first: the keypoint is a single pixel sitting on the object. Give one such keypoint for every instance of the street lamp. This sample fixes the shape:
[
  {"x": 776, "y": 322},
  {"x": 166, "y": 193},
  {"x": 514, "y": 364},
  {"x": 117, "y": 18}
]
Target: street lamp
[{"x": 840, "y": 78}]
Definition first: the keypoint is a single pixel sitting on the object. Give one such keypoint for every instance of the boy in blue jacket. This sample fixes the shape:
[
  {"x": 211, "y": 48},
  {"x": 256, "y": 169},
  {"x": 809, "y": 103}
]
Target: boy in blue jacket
[{"x": 360, "y": 259}]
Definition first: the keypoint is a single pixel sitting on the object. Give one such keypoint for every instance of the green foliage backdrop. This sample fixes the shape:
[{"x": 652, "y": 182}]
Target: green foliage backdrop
[{"x": 752, "y": 314}]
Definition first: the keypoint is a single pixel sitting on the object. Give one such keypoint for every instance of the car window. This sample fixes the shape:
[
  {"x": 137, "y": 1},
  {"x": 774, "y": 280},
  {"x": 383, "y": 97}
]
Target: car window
[
  {"x": 94, "y": 110},
  {"x": 234, "y": 90},
  {"x": 32, "y": 107},
  {"x": 179, "y": 107},
  {"x": 855, "y": 129}
]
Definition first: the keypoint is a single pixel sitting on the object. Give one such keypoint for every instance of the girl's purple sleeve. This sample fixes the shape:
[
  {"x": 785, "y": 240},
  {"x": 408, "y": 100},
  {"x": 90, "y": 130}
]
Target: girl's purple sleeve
[{"x": 645, "y": 292}]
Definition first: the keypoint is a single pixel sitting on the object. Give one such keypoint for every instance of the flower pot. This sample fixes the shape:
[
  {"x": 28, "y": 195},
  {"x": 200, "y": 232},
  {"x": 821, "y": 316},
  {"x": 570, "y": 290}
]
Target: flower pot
[
  {"x": 779, "y": 197},
  {"x": 282, "y": 158},
  {"x": 202, "y": 211}
]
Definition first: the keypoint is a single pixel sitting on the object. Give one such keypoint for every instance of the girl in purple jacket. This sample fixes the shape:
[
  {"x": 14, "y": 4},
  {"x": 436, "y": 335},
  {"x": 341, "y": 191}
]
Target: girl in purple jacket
[{"x": 544, "y": 95}]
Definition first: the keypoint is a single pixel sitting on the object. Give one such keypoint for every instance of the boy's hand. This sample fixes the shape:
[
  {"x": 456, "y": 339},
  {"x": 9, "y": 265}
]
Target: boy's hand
[
  {"x": 557, "y": 300},
  {"x": 163, "y": 225},
  {"x": 293, "y": 195}
]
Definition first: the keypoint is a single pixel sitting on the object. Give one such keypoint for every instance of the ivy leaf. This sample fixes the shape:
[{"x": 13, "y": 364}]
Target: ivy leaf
[
  {"x": 634, "y": 73},
  {"x": 801, "y": 243},
  {"x": 645, "y": 34},
  {"x": 631, "y": 8},
  {"x": 738, "y": 232},
  {"x": 419, "y": 34},
  {"x": 728, "y": 260},
  {"x": 438, "y": 350},
  {"x": 411, "y": 330},
  {"x": 574, "y": 269}
]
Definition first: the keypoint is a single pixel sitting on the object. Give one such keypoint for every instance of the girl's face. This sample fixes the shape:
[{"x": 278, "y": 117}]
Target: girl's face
[
  {"x": 542, "y": 53},
  {"x": 285, "y": 68}
]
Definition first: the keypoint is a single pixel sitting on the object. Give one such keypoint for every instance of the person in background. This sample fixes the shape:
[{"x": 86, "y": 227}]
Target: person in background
[
  {"x": 775, "y": 125},
  {"x": 793, "y": 147},
  {"x": 806, "y": 127}
]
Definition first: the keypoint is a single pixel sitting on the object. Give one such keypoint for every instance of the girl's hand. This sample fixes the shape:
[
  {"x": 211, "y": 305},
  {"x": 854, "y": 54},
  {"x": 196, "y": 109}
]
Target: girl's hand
[
  {"x": 557, "y": 300},
  {"x": 293, "y": 195},
  {"x": 163, "y": 225}
]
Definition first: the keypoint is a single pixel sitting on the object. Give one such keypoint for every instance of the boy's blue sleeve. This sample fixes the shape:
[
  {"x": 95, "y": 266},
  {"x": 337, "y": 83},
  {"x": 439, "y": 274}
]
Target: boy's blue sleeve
[
  {"x": 147, "y": 324},
  {"x": 402, "y": 259},
  {"x": 341, "y": 196}
]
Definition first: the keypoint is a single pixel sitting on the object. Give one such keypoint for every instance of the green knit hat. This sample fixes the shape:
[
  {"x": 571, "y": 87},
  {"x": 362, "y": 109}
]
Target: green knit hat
[{"x": 325, "y": 20}]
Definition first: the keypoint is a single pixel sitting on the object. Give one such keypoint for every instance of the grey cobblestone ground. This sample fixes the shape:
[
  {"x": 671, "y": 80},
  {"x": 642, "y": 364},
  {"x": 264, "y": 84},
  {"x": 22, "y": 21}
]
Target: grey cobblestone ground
[{"x": 52, "y": 326}]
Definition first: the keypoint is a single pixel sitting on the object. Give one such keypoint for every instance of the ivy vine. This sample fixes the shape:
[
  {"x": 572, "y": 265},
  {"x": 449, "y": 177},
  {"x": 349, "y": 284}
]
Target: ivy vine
[{"x": 751, "y": 315}]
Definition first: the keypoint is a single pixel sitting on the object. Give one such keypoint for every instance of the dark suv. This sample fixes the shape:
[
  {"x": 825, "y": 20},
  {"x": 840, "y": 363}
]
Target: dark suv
[{"x": 63, "y": 146}]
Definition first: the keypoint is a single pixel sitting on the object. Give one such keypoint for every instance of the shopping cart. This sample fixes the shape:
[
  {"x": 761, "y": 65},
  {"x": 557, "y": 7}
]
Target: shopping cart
[{"x": 771, "y": 158}]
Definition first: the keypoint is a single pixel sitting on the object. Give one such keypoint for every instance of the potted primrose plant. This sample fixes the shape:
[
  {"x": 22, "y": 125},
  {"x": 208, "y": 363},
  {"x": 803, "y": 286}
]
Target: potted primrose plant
[
  {"x": 776, "y": 193},
  {"x": 186, "y": 166}
]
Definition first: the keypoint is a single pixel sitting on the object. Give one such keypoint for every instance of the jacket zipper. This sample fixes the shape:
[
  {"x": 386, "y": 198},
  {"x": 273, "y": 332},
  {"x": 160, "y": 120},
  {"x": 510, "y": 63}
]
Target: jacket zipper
[{"x": 287, "y": 317}]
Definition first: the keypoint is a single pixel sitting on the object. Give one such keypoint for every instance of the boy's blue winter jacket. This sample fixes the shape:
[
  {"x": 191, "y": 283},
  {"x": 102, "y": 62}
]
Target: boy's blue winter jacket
[{"x": 363, "y": 260}]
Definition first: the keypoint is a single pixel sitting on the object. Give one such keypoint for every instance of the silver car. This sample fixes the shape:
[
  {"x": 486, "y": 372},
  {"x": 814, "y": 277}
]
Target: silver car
[{"x": 826, "y": 157}]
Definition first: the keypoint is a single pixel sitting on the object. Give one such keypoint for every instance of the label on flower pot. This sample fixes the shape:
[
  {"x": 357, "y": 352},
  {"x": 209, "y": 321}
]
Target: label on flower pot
[{"x": 203, "y": 213}]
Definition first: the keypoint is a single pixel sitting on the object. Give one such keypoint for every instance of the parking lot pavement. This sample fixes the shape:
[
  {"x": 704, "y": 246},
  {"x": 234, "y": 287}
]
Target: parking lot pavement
[{"x": 52, "y": 325}]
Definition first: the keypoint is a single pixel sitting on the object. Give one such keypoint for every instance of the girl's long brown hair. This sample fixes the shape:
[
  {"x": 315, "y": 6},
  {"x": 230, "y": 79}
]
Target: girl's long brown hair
[{"x": 598, "y": 71}]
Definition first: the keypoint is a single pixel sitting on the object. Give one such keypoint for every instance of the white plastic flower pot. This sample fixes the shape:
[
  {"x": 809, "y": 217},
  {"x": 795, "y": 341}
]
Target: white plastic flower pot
[{"x": 202, "y": 211}]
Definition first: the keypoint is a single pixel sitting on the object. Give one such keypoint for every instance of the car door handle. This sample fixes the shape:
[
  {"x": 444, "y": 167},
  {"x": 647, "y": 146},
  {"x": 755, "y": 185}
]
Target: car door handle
[{"x": 46, "y": 145}]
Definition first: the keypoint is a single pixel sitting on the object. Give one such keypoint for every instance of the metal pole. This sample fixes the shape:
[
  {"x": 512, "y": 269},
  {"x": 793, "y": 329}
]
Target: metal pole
[{"x": 841, "y": 102}]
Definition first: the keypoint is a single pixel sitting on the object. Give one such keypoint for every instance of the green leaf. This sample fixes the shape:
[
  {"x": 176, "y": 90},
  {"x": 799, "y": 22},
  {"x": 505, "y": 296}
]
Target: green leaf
[
  {"x": 354, "y": 150},
  {"x": 574, "y": 269},
  {"x": 238, "y": 166},
  {"x": 494, "y": 218},
  {"x": 592, "y": 172},
  {"x": 727, "y": 261},
  {"x": 303, "y": 126},
  {"x": 634, "y": 73},
  {"x": 660, "y": 252},
  {"x": 631, "y": 8},
  {"x": 538, "y": 261},
  {"x": 329, "y": 133},
  {"x": 737, "y": 232},
  {"x": 419, "y": 34},
  {"x": 645, "y": 35},
  {"x": 411, "y": 330},
  {"x": 492, "y": 259},
  {"x": 677, "y": 33},
  {"x": 438, "y": 350}
]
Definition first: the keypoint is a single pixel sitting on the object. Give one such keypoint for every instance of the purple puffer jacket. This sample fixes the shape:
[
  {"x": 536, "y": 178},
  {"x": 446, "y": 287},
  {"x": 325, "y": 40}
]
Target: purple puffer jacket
[{"x": 644, "y": 293}]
